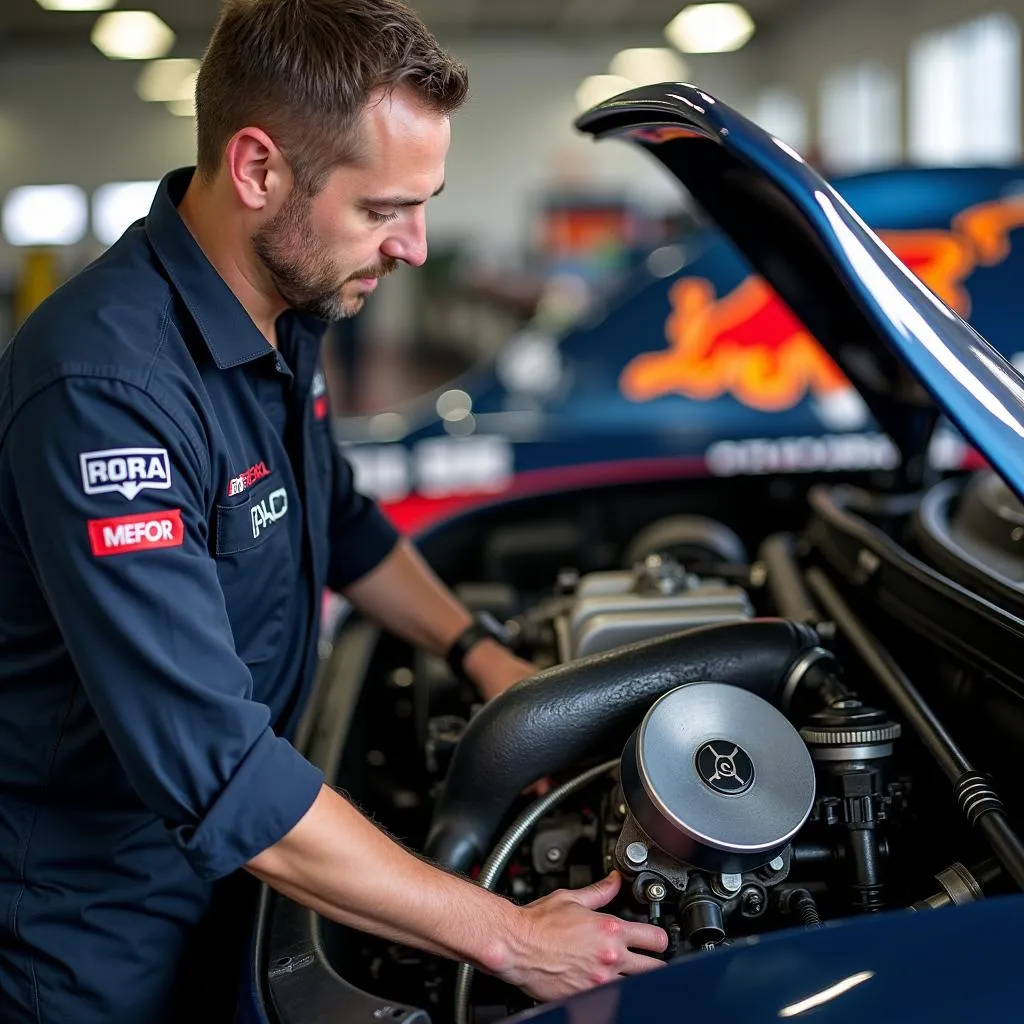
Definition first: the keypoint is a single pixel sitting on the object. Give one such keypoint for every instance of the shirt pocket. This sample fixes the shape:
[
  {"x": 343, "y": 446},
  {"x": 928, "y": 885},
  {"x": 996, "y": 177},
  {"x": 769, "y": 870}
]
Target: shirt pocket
[{"x": 256, "y": 567}]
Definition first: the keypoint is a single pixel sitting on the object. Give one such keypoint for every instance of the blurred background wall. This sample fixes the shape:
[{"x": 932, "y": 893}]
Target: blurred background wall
[{"x": 853, "y": 84}]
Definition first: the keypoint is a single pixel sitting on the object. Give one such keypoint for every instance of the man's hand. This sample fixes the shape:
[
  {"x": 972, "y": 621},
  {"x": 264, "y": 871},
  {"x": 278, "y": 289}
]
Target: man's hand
[
  {"x": 562, "y": 946},
  {"x": 494, "y": 668}
]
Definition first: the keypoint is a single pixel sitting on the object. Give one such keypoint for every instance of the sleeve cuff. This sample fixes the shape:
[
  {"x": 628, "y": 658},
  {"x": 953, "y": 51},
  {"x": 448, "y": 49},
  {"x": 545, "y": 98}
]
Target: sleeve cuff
[
  {"x": 362, "y": 548},
  {"x": 267, "y": 796}
]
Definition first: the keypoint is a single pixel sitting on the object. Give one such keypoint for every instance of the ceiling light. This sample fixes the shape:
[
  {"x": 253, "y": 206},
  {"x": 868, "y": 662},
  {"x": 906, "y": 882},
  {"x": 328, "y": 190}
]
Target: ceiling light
[
  {"x": 165, "y": 80},
  {"x": 183, "y": 108},
  {"x": 45, "y": 215},
  {"x": 710, "y": 28},
  {"x": 76, "y": 5},
  {"x": 115, "y": 207},
  {"x": 598, "y": 88},
  {"x": 647, "y": 65},
  {"x": 131, "y": 35}
]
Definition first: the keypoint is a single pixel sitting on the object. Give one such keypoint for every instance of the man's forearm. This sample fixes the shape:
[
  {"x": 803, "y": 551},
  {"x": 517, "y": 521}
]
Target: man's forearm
[
  {"x": 404, "y": 595},
  {"x": 337, "y": 863}
]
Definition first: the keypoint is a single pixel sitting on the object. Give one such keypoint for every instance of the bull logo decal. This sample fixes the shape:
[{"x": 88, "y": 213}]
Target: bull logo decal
[{"x": 749, "y": 345}]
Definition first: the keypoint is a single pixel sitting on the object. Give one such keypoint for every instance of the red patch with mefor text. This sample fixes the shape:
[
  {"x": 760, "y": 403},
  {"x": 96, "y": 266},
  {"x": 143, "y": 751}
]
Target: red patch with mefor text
[
  {"x": 144, "y": 531},
  {"x": 320, "y": 407}
]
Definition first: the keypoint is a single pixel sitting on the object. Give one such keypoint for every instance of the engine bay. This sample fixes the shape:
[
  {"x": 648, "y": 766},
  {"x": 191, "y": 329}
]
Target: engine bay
[{"x": 755, "y": 743}]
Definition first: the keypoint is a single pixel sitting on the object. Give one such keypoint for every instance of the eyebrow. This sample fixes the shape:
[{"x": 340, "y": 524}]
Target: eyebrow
[{"x": 401, "y": 200}]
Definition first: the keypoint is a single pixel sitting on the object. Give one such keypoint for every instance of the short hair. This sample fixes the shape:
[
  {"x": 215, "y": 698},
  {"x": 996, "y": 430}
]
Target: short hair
[{"x": 305, "y": 70}]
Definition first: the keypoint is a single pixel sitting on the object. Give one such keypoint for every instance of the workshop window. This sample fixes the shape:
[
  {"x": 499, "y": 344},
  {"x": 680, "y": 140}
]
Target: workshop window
[
  {"x": 859, "y": 121},
  {"x": 784, "y": 114},
  {"x": 964, "y": 93}
]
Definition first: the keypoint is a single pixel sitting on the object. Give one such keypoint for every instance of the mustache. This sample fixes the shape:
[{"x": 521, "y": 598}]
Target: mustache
[{"x": 390, "y": 264}]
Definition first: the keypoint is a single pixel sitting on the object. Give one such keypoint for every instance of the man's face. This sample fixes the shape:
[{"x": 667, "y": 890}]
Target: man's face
[{"x": 325, "y": 253}]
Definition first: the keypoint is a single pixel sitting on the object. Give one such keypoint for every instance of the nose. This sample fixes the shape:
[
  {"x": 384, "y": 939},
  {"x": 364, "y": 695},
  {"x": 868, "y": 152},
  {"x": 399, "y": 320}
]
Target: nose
[{"x": 409, "y": 244}]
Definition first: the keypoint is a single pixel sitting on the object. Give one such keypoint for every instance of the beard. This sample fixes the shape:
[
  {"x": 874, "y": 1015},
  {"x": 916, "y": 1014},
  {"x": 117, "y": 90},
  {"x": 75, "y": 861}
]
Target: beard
[{"x": 303, "y": 271}]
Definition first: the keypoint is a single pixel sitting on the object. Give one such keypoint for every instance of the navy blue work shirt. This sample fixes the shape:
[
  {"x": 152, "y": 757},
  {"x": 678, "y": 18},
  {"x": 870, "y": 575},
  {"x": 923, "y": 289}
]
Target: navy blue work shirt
[{"x": 171, "y": 507}]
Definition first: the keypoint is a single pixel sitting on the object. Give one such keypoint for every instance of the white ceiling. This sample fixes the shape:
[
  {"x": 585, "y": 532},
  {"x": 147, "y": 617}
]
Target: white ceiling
[{"x": 23, "y": 24}]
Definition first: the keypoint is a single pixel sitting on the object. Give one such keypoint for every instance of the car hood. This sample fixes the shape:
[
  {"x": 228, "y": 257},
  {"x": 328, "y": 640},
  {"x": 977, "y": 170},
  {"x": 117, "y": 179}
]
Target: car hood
[{"x": 907, "y": 353}]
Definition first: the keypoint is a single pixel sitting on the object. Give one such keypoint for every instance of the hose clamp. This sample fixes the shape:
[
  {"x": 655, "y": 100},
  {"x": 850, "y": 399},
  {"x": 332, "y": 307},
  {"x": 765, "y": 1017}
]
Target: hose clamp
[{"x": 800, "y": 669}]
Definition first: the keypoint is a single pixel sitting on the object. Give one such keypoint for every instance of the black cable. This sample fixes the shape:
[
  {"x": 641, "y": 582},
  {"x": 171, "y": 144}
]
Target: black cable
[
  {"x": 978, "y": 801},
  {"x": 785, "y": 584}
]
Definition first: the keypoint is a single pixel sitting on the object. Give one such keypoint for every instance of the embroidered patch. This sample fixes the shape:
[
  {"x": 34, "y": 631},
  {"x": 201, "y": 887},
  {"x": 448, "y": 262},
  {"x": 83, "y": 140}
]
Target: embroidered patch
[
  {"x": 146, "y": 531},
  {"x": 125, "y": 470},
  {"x": 242, "y": 482}
]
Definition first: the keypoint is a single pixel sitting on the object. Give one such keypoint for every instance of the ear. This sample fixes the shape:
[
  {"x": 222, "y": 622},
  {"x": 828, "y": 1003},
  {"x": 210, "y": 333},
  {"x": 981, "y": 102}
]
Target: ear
[{"x": 256, "y": 169}]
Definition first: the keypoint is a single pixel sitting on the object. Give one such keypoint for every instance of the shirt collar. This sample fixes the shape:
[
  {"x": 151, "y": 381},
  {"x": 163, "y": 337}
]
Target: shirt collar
[{"x": 226, "y": 327}]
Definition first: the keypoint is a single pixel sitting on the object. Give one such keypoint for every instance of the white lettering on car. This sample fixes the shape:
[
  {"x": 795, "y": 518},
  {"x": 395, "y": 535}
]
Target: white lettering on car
[
  {"x": 269, "y": 510},
  {"x": 125, "y": 471}
]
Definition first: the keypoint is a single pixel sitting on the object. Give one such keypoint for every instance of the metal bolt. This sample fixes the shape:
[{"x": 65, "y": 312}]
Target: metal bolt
[
  {"x": 731, "y": 882},
  {"x": 402, "y": 677},
  {"x": 621, "y": 810},
  {"x": 752, "y": 902},
  {"x": 656, "y": 892},
  {"x": 554, "y": 855},
  {"x": 636, "y": 854},
  {"x": 777, "y": 864}
]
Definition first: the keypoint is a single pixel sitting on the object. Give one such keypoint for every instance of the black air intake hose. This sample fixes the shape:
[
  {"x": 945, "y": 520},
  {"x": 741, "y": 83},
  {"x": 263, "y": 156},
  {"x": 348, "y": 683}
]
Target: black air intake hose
[{"x": 587, "y": 708}]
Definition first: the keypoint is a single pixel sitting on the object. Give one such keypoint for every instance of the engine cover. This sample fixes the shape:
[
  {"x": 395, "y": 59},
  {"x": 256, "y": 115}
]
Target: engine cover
[
  {"x": 610, "y": 609},
  {"x": 717, "y": 778}
]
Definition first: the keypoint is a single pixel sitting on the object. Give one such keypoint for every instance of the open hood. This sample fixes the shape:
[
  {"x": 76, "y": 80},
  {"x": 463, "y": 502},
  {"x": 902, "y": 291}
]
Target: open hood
[{"x": 907, "y": 353}]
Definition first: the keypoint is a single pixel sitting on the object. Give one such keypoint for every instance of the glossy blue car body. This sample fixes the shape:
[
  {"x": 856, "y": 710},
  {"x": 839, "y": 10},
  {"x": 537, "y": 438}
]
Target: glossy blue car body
[{"x": 950, "y": 967}]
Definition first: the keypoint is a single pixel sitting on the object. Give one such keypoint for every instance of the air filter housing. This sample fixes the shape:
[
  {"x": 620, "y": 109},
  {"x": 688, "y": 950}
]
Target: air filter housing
[{"x": 717, "y": 778}]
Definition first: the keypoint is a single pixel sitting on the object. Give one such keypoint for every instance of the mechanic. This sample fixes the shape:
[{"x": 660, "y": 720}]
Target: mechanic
[{"x": 171, "y": 508}]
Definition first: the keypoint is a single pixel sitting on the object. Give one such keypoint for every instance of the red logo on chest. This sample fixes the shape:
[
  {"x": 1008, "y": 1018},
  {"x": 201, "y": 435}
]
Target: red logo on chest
[
  {"x": 321, "y": 406},
  {"x": 242, "y": 482}
]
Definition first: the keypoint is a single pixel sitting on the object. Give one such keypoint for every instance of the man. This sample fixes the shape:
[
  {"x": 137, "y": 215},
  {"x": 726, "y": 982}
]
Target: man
[{"x": 171, "y": 506}]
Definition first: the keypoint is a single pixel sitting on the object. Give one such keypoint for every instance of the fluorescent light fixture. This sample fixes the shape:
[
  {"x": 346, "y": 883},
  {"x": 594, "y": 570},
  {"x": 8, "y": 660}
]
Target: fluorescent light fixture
[
  {"x": 597, "y": 88},
  {"x": 826, "y": 995},
  {"x": 710, "y": 28},
  {"x": 131, "y": 35},
  {"x": 183, "y": 108},
  {"x": 45, "y": 215},
  {"x": 118, "y": 205},
  {"x": 173, "y": 78},
  {"x": 76, "y": 5},
  {"x": 649, "y": 65}
]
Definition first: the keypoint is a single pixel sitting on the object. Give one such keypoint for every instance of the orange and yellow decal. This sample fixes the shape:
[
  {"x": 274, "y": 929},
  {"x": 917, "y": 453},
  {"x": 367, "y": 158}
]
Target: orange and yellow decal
[{"x": 750, "y": 345}]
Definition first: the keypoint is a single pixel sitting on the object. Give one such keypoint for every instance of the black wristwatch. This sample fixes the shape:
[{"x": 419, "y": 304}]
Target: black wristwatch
[{"x": 484, "y": 627}]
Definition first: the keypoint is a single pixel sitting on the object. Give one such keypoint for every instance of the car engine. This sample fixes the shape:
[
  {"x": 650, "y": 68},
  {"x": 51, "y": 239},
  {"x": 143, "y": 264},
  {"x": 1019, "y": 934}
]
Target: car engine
[{"x": 734, "y": 735}]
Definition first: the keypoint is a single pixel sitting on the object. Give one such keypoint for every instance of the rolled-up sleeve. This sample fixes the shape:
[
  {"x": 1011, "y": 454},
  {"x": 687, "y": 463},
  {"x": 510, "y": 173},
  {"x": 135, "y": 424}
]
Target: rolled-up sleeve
[
  {"x": 361, "y": 537},
  {"x": 134, "y": 590}
]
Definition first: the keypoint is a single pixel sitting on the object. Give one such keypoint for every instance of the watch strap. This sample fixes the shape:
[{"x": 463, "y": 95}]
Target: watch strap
[{"x": 483, "y": 627}]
